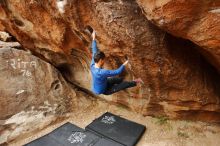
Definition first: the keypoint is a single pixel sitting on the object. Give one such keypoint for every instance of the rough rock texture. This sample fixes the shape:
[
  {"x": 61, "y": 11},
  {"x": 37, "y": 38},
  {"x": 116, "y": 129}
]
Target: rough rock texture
[
  {"x": 195, "y": 20},
  {"x": 1, "y": 27},
  {"x": 179, "y": 82},
  {"x": 32, "y": 92},
  {"x": 30, "y": 83}
]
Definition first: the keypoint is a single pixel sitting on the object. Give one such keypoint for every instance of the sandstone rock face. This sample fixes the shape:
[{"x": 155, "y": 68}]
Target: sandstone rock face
[
  {"x": 1, "y": 27},
  {"x": 179, "y": 82},
  {"x": 195, "y": 20},
  {"x": 29, "y": 83},
  {"x": 32, "y": 91}
]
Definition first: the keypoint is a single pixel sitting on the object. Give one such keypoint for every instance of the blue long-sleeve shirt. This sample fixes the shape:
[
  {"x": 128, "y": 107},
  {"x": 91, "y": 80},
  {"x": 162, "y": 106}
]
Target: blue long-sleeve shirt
[{"x": 99, "y": 75}]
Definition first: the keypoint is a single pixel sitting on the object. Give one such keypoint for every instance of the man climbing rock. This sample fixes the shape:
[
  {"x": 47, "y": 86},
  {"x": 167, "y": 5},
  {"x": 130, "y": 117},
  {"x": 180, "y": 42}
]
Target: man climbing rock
[{"x": 104, "y": 81}]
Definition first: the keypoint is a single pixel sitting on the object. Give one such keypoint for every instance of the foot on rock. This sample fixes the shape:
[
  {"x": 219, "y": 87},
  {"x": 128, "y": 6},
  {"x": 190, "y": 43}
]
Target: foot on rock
[{"x": 139, "y": 80}]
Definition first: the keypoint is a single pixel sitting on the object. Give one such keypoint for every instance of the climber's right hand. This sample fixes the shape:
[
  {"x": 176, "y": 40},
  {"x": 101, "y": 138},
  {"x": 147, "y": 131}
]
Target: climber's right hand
[
  {"x": 126, "y": 62},
  {"x": 93, "y": 35}
]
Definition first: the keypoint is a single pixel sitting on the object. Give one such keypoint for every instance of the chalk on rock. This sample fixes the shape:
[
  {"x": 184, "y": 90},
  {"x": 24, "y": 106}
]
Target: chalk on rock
[
  {"x": 61, "y": 4},
  {"x": 4, "y": 36}
]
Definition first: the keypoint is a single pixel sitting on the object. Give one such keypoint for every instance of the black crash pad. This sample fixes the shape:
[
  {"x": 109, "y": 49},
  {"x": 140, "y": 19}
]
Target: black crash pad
[
  {"x": 118, "y": 129},
  {"x": 107, "y": 142},
  {"x": 71, "y": 135}
]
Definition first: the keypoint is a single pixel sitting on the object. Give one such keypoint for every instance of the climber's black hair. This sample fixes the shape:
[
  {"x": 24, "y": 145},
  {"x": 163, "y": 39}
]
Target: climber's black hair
[{"x": 98, "y": 56}]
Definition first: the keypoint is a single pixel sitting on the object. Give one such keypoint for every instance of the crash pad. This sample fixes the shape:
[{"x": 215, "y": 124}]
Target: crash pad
[
  {"x": 117, "y": 128},
  {"x": 71, "y": 135}
]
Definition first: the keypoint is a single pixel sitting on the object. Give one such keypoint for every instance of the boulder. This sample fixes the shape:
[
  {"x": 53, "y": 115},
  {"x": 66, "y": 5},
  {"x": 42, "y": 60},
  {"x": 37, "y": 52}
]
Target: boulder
[
  {"x": 179, "y": 81},
  {"x": 197, "y": 21},
  {"x": 27, "y": 83}
]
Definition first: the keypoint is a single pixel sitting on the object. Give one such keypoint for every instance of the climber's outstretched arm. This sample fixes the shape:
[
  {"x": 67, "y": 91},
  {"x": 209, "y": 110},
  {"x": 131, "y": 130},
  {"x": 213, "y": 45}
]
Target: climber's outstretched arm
[
  {"x": 111, "y": 73},
  {"x": 94, "y": 47}
]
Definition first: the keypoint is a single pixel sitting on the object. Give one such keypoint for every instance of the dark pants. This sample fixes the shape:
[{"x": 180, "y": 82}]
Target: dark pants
[{"x": 117, "y": 84}]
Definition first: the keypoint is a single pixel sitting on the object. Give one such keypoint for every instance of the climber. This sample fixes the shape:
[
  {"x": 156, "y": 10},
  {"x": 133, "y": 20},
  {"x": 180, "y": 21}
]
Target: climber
[{"x": 103, "y": 81}]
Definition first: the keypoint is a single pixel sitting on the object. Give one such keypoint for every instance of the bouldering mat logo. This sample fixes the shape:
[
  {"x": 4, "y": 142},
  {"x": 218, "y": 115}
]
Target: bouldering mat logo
[
  {"x": 108, "y": 120},
  {"x": 77, "y": 137}
]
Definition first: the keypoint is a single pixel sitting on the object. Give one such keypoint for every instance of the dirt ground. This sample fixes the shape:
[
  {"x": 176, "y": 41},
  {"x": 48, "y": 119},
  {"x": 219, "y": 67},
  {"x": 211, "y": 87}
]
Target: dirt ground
[{"x": 160, "y": 131}]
